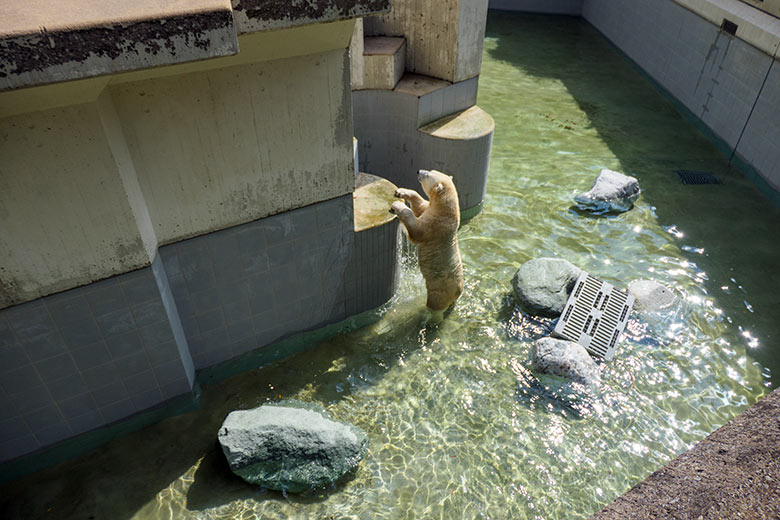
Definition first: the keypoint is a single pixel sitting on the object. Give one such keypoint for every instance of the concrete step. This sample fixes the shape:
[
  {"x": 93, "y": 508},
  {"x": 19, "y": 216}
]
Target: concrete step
[
  {"x": 472, "y": 123},
  {"x": 384, "y": 59},
  {"x": 437, "y": 98}
]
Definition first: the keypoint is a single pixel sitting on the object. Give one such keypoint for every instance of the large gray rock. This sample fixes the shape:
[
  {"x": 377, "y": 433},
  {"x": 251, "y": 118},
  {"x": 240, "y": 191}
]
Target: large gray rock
[
  {"x": 651, "y": 296},
  {"x": 290, "y": 448},
  {"x": 542, "y": 286},
  {"x": 559, "y": 357},
  {"x": 612, "y": 192}
]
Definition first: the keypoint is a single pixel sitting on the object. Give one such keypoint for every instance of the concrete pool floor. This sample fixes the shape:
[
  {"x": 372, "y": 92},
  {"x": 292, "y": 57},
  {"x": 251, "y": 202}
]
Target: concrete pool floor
[{"x": 733, "y": 473}]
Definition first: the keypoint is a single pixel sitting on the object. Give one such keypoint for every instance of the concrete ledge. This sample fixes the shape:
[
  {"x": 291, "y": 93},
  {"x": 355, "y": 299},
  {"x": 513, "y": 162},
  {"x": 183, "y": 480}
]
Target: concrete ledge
[
  {"x": 733, "y": 473},
  {"x": 472, "y": 123},
  {"x": 48, "y": 41},
  {"x": 264, "y": 15}
]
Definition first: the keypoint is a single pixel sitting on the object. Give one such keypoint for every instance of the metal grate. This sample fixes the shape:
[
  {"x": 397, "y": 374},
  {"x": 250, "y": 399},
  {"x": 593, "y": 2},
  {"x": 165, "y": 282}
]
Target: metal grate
[
  {"x": 696, "y": 177},
  {"x": 595, "y": 315}
]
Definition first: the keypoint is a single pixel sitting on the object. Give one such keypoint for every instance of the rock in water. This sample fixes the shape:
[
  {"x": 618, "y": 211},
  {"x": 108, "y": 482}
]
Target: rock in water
[
  {"x": 289, "y": 448},
  {"x": 559, "y": 357},
  {"x": 612, "y": 192},
  {"x": 543, "y": 285},
  {"x": 651, "y": 296}
]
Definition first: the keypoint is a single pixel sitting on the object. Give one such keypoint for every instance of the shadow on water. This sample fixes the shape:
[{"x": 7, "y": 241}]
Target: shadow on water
[
  {"x": 728, "y": 232},
  {"x": 158, "y": 458}
]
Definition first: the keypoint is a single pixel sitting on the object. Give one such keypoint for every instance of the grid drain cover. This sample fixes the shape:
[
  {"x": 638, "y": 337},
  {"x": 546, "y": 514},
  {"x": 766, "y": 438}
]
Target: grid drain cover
[
  {"x": 594, "y": 316},
  {"x": 696, "y": 177}
]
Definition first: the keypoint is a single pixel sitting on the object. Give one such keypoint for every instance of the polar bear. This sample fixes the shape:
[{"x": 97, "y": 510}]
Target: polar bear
[{"x": 432, "y": 226}]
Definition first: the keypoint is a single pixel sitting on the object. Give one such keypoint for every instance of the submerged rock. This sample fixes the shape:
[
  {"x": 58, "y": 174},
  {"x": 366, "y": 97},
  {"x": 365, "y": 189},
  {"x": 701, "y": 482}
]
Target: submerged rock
[
  {"x": 559, "y": 357},
  {"x": 543, "y": 285},
  {"x": 651, "y": 296},
  {"x": 290, "y": 448},
  {"x": 612, "y": 192}
]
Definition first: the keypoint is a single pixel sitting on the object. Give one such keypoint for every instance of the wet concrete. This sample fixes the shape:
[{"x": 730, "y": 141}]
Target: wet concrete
[{"x": 733, "y": 473}]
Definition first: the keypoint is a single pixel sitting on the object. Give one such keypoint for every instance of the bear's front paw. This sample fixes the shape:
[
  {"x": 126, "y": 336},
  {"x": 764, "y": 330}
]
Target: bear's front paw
[
  {"x": 402, "y": 193},
  {"x": 397, "y": 207}
]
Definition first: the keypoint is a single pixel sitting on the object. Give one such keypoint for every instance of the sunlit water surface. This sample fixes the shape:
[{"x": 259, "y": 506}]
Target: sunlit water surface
[{"x": 458, "y": 425}]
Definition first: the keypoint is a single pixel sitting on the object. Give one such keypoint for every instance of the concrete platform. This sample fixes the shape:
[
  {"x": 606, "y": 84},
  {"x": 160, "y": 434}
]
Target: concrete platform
[{"x": 733, "y": 473}]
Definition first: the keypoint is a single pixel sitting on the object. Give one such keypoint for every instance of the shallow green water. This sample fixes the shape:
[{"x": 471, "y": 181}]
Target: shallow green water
[{"x": 458, "y": 426}]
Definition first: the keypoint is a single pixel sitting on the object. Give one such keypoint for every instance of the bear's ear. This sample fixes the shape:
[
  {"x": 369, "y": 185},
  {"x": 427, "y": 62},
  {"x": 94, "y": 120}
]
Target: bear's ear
[
  {"x": 439, "y": 188},
  {"x": 450, "y": 176}
]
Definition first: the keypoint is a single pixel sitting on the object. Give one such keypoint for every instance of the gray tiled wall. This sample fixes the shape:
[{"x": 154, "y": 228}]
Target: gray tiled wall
[
  {"x": 250, "y": 285},
  {"x": 373, "y": 267},
  {"x": 716, "y": 76},
  {"x": 84, "y": 358},
  {"x": 391, "y": 146}
]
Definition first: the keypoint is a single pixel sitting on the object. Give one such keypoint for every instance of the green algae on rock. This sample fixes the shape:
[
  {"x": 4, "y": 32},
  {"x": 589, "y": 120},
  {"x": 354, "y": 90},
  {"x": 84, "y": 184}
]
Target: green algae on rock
[{"x": 293, "y": 447}]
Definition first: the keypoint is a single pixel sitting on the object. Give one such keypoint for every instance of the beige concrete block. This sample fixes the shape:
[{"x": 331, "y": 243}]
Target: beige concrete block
[
  {"x": 444, "y": 37},
  {"x": 384, "y": 60},
  {"x": 65, "y": 219},
  {"x": 219, "y": 148},
  {"x": 356, "y": 64}
]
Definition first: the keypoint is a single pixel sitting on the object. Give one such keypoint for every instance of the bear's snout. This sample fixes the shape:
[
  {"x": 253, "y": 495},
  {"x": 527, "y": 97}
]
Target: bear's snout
[{"x": 421, "y": 174}]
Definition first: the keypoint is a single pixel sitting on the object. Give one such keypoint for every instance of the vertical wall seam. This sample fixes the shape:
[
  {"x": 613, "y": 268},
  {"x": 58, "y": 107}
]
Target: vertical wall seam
[{"x": 755, "y": 102}]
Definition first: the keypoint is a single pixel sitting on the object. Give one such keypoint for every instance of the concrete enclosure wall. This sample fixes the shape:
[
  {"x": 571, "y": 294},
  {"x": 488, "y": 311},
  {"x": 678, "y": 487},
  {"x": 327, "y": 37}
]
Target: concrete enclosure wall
[
  {"x": 730, "y": 85},
  {"x": 151, "y": 162},
  {"x": 160, "y": 221}
]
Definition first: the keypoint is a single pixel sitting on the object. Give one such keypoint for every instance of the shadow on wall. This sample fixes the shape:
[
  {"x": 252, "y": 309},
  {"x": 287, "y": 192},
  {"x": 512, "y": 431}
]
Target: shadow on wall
[{"x": 651, "y": 139}]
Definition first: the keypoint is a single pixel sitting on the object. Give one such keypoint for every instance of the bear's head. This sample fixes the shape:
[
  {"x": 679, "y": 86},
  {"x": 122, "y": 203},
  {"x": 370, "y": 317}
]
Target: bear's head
[{"x": 435, "y": 183}]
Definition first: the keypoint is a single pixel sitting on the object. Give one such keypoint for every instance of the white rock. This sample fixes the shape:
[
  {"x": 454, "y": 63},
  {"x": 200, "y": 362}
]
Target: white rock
[
  {"x": 651, "y": 296},
  {"x": 564, "y": 358},
  {"x": 612, "y": 192}
]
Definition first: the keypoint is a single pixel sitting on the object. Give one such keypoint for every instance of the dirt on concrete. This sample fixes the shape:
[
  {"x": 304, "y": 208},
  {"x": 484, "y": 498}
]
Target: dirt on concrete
[{"x": 733, "y": 473}]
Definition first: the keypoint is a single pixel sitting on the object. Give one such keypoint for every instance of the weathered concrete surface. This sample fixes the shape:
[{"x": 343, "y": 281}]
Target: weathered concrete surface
[
  {"x": 127, "y": 162},
  {"x": 263, "y": 15},
  {"x": 65, "y": 219},
  {"x": 249, "y": 141},
  {"x": 444, "y": 37},
  {"x": 45, "y": 41},
  {"x": 733, "y": 473},
  {"x": 356, "y": 62},
  {"x": 383, "y": 62},
  {"x": 372, "y": 199},
  {"x": 472, "y": 123}
]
